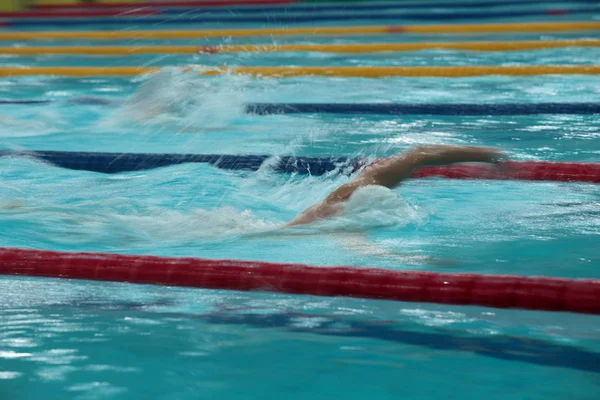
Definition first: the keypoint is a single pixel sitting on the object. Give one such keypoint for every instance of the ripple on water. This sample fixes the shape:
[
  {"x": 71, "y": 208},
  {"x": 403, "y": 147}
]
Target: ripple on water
[
  {"x": 9, "y": 374},
  {"x": 19, "y": 342},
  {"x": 51, "y": 374}
]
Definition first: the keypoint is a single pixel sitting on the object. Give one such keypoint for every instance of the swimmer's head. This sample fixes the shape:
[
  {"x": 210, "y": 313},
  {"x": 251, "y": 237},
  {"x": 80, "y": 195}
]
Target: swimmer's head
[
  {"x": 372, "y": 197},
  {"x": 377, "y": 206}
]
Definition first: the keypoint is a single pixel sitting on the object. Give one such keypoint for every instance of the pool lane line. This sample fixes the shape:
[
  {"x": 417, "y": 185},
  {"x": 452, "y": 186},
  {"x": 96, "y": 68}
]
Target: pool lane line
[
  {"x": 331, "y": 48},
  {"x": 33, "y": 15},
  {"x": 289, "y": 5},
  {"x": 504, "y": 346},
  {"x": 465, "y": 109},
  {"x": 305, "y": 31},
  {"x": 354, "y": 109},
  {"x": 292, "y": 18},
  {"x": 185, "y": 3},
  {"x": 124, "y": 162},
  {"x": 271, "y": 10},
  {"x": 25, "y": 102},
  {"x": 496, "y": 291},
  {"x": 288, "y": 72},
  {"x": 241, "y": 10}
]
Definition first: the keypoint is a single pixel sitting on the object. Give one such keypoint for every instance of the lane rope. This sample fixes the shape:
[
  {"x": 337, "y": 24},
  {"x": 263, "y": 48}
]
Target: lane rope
[
  {"x": 331, "y": 48},
  {"x": 291, "y": 18},
  {"x": 287, "y": 72},
  {"x": 75, "y": 13},
  {"x": 368, "y": 108},
  {"x": 425, "y": 109},
  {"x": 110, "y": 163},
  {"x": 290, "y": 5},
  {"x": 186, "y": 3},
  {"x": 311, "y": 31},
  {"x": 499, "y": 291},
  {"x": 123, "y": 162}
]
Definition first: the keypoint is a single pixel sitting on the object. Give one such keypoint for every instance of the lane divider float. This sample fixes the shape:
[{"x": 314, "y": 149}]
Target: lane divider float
[
  {"x": 157, "y": 17},
  {"x": 353, "y": 109},
  {"x": 530, "y": 27},
  {"x": 124, "y": 162},
  {"x": 499, "y": 291},
  {"x": 250, "y": 6}
]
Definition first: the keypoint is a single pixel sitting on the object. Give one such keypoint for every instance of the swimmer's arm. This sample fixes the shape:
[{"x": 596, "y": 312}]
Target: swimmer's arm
[
  {"x": 315, "y": 212},
  {"x": 392, "y": 172}
]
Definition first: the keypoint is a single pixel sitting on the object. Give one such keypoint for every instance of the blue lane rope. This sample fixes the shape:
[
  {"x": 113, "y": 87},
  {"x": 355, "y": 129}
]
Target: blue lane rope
[
  {"x": 25, "y": 102},
  {"x": 354, "y": 7},
  {"x": 82, "y": 100},
  {"x": 110, "y": 163},
  {"x": 373, "y": 108},
  {"x": 291, "y": 18},
  {"x": 424, "y": 109}
]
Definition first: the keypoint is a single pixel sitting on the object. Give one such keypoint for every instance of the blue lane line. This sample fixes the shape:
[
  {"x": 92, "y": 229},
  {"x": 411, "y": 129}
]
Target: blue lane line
[
  {"x": 432, "y": 16},
  {"x": 425, "y": 109},
  {"x": 373, "y": 108},
  {"x": 503, "y": 347},
  {"x": 110, "y": 163},
  {"x": 355, "y": 7},
  {"x": 25, "y": 102}
]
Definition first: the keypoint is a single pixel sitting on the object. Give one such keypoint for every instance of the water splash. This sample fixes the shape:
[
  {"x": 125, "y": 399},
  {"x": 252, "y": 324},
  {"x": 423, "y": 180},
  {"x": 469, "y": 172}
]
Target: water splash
[
  {"x": 26, "y": 123},
  {"x": 175, "y": 226},
  {"x": 182, "y": 99},
  {"x": 82, "y": 223}
]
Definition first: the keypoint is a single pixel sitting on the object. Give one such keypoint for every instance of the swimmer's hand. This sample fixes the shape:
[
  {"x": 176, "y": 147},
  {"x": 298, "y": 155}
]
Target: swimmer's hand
[
  {"x": 496, "y": 160},
  {"x": 436, "y": 155},
  {"x": 493, "y": 155}
]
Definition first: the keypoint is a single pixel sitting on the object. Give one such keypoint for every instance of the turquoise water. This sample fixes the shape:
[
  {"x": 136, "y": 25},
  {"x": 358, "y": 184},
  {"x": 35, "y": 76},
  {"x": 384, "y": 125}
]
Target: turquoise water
[{"x": 91, "y": 340}]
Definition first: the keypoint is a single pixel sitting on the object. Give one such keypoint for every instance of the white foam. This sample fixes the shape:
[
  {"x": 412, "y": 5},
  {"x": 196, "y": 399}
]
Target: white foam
[
  {"x": 82, "y": 223},
  {"x": 377, "y": 207},
  {"x": 171, "y": 225},
  {"x": 373, "y": 197},
  {"x": 370, "y": 207},
  {"x": 177, "y": 98},
  {"x": 44, "y": 122}
]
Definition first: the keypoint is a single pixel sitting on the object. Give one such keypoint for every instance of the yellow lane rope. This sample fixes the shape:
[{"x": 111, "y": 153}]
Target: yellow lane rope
[
  {"x": 364, "y": 72},
  {"x": 332, "y": 48},
  {"x": 324, "y": 31}
]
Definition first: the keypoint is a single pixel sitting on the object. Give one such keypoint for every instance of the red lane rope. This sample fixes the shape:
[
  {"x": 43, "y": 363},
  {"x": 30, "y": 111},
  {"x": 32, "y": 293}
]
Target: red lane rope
[
  {"x": 500, "y": 291},
  {"x": 197, "y": 3},
  {"x": 514, "y": 170}
]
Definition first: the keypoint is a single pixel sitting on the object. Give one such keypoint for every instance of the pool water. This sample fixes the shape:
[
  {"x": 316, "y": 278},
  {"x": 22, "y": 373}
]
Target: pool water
[{"x": 90, "y": 340}]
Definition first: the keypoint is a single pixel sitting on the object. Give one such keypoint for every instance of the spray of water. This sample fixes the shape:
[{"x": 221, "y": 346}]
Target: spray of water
[
  {"x": 25, "y": 123},
  {"x": 181, "y": 99}
]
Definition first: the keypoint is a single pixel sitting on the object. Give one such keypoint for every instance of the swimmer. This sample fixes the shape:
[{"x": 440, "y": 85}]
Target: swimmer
[{"x": 391, "y": 172}]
